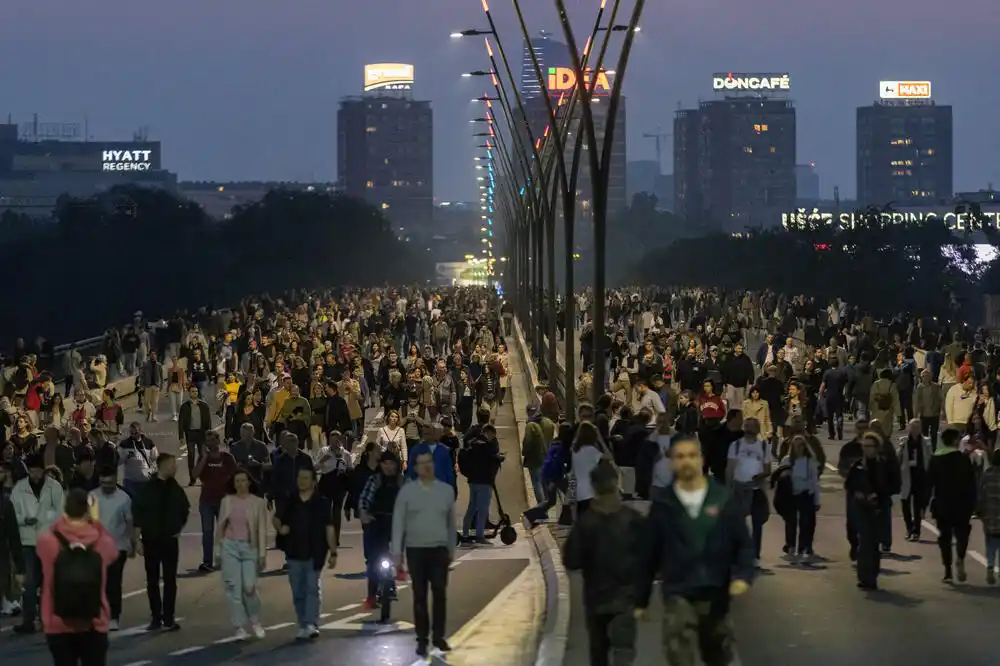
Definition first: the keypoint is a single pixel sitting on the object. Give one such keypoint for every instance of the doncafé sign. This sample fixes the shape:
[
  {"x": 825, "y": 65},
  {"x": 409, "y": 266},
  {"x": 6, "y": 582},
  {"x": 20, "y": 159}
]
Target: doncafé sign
[
  {"x": 563, "y": 79},
  {"x": 388, "y": 76},
  {"x": 754, "y": 82}
]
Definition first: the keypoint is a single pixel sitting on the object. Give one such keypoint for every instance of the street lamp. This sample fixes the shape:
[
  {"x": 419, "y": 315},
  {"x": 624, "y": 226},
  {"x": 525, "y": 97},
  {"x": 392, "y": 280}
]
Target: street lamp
[
  {"x": 478, "y": 72},
  {"x": 470, "y": 33},
  {"x": 486, "y": 98}
]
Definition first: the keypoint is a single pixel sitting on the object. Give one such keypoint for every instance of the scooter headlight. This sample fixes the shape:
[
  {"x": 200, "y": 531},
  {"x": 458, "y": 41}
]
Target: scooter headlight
[{"x": 386, "y": 564}]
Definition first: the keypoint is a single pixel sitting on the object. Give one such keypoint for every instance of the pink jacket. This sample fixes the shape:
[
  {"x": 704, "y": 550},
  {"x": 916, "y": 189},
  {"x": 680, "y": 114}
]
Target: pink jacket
[{"x": 75, "y": 531}]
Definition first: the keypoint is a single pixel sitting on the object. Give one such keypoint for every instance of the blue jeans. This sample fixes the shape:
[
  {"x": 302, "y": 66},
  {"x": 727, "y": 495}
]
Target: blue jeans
[
  {"x": 480, "y": 498},
  {"x": 536, "y": 483},
  {"x": 240, "y": 574},
  {"x": 992, "y": 550},
  {"x": 209, "y": 513},
  {"x": 303, "y": 577}
]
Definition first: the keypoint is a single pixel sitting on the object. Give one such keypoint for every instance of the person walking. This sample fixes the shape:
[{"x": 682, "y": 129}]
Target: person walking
[
  {"x": 800, "y": 519},
  {"x": 38, "y": 502},
  {"x": 215, "y": 468},
  {"x": 241, "y": 551},
  {"x": 988, "y": 509},
  {"x": 159, "y": 513},
  {"x": 112, "y": 508},
  {"x": 749, "y": 468},
  {"x": 697, "y": 541},
  {"x": 914, "y": 455},
  {"x": 868, "y": 485},
  {"x": 951, "y": 485},
  {"x": 309, "y": 541},
  {"x": 193, "y": 424},
  {"x": 604, "y": 545},
  {"x": 150, "y": 380},
  {"x": 423, "y": 526},
  {"x": 75, "y": 555},
  {"x": 479, "y": 460}
]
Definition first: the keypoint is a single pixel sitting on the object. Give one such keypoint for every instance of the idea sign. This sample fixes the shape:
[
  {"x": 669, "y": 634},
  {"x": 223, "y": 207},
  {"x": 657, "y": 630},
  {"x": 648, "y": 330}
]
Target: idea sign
[
  {"x": 904, "y": 89},
  {"x": 563, "y": 79}
]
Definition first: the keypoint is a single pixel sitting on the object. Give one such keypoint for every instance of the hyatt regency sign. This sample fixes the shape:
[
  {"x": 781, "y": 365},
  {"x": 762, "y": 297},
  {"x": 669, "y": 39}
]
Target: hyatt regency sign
[
  {"x": 751, "y": 82},
  {"x": 126, "y": 160},
  {"x": 802, "y": 218}
]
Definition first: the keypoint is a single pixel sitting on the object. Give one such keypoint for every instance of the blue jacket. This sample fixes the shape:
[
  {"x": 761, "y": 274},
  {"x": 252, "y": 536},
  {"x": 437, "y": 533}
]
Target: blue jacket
[
  {"x": 697, "y": 558},
  {"x": 444, "y": 468}
]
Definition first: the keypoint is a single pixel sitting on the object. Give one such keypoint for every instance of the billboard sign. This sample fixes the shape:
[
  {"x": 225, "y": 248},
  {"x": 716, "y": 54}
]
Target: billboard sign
[
  {"x": 754, "y": 83},
  {"x": 955, "y": 221},
  {"x": 35, "y": 131},
  {"x": 126, "y": 160},
  {"x": 388, "y": 76},
  {"x": 563, "y": 80},
  {"x": 904, "y": 89}
]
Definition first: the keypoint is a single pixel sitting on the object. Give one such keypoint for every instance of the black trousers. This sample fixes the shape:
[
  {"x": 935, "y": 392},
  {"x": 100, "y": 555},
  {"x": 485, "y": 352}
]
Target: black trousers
[
  {"x": 930, "y": 427},
  {"x": 88, "y": 648},
  {"x": 161, "y": 557},
  {"x": 612, "y": 639},
  {"x": 949, "y": 530},
  {"x": 915, "y": 503},
  {"x": 429, "y": 567},
  {"x": 800, "y": 522},
  {"x": 195, "y": 445},
  {"x": 113, "y": 584},
  {"x": 868, "y": 521}
]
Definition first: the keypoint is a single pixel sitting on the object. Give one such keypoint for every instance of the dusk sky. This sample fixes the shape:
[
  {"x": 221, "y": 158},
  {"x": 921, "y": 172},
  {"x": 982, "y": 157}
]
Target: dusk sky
[{"x": 248, "y": 89}]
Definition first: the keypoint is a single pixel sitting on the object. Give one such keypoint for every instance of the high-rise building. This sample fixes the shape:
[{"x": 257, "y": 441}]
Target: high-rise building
[
  {"x": 734, "y": 159},
  {"x": 549, "y": 52},
  {"x": 385, "y": 148},
  {"x": 806, "y": 182},
  {"x": 904, "y": 153}
]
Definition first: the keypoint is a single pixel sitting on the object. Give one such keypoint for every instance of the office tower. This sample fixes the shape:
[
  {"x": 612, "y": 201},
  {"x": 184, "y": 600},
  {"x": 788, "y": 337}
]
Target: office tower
[
  {"x": 734, "y": 161},
  {"x": 549, "y": 53},
  {"x": 904, "y": 152},
  {"x": 385, "y": 150}
]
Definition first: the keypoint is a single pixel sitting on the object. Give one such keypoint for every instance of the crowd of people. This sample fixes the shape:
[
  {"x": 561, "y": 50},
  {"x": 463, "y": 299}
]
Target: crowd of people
[
  {"x": 684, "y": 391},
  {"x": 270, "y": 402}
]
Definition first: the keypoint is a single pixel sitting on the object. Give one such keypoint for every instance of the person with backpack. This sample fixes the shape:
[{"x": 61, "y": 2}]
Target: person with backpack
[
  {"x": 883, "y": 401},
  {"x": 748, "y": 469},
  {"x": 75, "y": 554}
]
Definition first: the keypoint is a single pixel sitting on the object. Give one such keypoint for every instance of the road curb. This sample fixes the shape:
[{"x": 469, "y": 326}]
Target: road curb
[
  {"x": 555, "y": 632},
  {"x": 519, "y": 400}
]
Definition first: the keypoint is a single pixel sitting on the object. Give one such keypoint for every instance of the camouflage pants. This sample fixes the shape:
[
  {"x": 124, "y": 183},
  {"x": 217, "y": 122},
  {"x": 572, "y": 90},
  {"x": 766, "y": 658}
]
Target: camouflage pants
[
  {"x": 695, "y": 636},
  {"x": 612, "y": 635}
]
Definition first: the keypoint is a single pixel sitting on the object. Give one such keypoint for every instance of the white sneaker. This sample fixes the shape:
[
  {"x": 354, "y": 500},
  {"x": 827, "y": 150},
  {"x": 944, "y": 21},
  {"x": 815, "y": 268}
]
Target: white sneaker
[
  {"x": 312, "y": 631},
  {"x": 113, "y": 625},
  {"x": 756, "y": 563},
  {"x": 258, "y": 630},
  {"x": 302, "y": 634},
  {"x": 241, "y": 634}
]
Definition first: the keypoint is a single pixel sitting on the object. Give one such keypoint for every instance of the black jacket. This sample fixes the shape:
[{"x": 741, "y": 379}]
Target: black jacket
[
  {"x": 160, "y": 509},
  {"x": 952, "y": 486},
  {"x": 605, "y": 544},
  {"x": 872, "y": 478},
  {"x": 479, "y": 460},
  {"x": 10, "y": 540},
  {"x": 693, "y": 568},
  {"x": 336, "y": 416},
  {"x": 184, "y": 418},
  {"x": 738, "y": 371}
]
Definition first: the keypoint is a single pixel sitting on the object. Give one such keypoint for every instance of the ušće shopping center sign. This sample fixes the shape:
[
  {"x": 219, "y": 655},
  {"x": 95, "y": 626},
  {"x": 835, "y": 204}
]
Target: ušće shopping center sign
[{"x": 963, "y": 220}]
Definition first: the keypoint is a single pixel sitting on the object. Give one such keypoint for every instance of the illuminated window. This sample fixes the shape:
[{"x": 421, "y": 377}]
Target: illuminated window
[
  {"x": 902, "y": 172},
  {"x": 929, "y": 151},
  {"x": 772, "y": 149},
  {"x": 747, "y": 149},
  {"x": 370, "y": 183},
  {"x": 370, "y": 129},
  {"x": 384, "y": 205},
  {"x": 385, "y": 161},
  {"x": 899, "y": 163},
  {"x": 759, "y": 128},
  {"x": 901, "y": 142}
]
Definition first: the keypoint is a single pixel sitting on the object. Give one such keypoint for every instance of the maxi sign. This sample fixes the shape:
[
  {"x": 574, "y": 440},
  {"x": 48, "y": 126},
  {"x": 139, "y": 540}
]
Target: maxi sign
[
  {"x": 751, "y": 82},
  {"x": 964, "y": 221},
  {"x": 904, "y": 89},
  {"x": 563, "y": 80},
  {"x": 126, "y": 160}
]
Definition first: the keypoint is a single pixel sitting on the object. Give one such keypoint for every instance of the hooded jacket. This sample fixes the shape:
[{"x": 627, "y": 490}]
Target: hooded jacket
[{"x": 951, "y": 484}]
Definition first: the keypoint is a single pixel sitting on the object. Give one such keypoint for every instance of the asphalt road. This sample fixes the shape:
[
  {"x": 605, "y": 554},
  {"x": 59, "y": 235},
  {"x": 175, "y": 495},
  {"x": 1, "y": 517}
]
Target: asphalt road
[
  {"x": 815, "y": 615},
  {"x": 349, "y": 636}
]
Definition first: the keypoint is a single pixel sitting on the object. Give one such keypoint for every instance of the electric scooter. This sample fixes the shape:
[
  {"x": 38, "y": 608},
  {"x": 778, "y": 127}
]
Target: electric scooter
[{"x": 386, "y": 587}]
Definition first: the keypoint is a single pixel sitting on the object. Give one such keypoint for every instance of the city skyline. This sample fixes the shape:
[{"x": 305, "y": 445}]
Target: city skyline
[{"x": 227, "y": 109}]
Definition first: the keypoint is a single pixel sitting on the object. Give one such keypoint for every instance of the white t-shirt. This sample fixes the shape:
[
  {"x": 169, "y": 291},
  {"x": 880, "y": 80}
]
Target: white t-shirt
[
  {"x": 752, "y": 458},
  {"x": 584, "y": 462},
  {"x": 692, "y": 499}
]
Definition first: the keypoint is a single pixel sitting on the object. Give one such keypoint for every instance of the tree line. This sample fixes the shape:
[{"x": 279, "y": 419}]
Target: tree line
[
  {"x": 884, "y": 269},
  {"x": 104, "y": 257}
]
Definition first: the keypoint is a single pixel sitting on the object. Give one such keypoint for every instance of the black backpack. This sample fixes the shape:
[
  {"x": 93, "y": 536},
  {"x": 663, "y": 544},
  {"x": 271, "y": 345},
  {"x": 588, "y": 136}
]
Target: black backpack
[{"x": 77, "y": 581}]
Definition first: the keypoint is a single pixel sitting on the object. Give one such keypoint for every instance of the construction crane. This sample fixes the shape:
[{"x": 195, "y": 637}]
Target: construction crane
[{"x": 658, "y": 135}]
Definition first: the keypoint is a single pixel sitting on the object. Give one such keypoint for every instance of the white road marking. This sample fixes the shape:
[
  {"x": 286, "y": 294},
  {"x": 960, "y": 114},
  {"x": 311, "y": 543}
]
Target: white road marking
[
  {"x": 344, "y": 609},
  {"x": 139, "y": 663},
  {"x": 187, "y": 650},
  {"x": 137, "y": 630},
  {"x": 347, "y": 623},
  {"x": 281, "y": 625}
]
